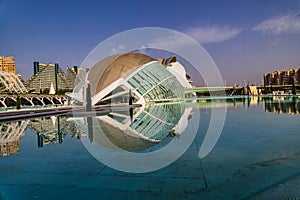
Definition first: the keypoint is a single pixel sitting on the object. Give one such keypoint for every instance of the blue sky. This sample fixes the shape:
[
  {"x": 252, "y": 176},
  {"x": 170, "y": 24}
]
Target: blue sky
[{"x": 244, "y": 38}]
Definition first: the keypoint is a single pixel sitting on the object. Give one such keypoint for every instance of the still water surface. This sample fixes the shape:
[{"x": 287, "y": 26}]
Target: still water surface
[{"x": 45, "y": 158}]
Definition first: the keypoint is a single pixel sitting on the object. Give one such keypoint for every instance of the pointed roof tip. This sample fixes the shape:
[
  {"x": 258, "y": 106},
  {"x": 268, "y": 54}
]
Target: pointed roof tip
[{"x": 52, "y": 90}]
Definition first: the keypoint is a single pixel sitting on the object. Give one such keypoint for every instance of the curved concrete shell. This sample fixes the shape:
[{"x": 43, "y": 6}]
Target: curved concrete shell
[
  {"x": 113, "y": 78},
  {"x": 113, "y": 67}
]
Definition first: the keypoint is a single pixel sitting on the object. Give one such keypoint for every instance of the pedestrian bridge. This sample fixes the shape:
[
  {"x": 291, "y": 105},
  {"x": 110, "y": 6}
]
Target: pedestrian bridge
[
  {"x": 31, "y": 100},
  {"x": 221, "y": 90}
]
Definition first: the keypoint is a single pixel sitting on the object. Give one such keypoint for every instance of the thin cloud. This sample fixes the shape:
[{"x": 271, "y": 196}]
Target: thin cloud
[
  {"x": 289, "y": 23},
  {"x": 213, "y": 34},
  {"x": 175, "y": 41},
  {"x": 119, "y": 49},
  {"x": 202, "y": 35}
]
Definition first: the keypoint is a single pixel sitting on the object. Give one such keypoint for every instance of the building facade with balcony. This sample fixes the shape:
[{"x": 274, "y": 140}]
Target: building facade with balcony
[
  {"x": 7, "y": 64},
  {"x": 283, "y": 77}
]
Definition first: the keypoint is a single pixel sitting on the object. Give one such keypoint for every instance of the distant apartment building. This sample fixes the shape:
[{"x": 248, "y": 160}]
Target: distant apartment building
[
  {"x": 7, "y": 64},
  {"x": 297, "y": 76},
  {"x": 282, "y": 77},
  {"x": 10, "y": 81}
]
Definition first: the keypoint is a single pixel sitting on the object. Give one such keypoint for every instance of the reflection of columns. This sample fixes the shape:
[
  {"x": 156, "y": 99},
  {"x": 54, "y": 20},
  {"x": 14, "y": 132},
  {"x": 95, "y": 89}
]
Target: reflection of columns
[
  {"x": 40, "y": 137},
  {"x": 90, "y": 128},
  {"x": 58, "y": 131},
  {"x": 293, "y": 106},
  {"x": 249, "y": 101},
  {"x": 40, "y": 140}
]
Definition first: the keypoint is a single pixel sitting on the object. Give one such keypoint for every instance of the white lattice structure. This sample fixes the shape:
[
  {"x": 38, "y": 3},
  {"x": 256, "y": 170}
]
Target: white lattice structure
[
  {"x": 11, "y": 83},
  {"x": 12, "y": 131}
]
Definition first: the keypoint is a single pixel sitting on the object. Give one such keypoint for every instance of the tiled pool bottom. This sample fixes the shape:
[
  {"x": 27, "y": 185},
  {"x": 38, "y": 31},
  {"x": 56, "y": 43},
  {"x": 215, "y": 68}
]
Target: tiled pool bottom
[
  {"x": 256, "y": 152},
  {"x": 288, "y": 189},
  {"x": 57, "y": 172},
  {"x": 73, "y": 174}
]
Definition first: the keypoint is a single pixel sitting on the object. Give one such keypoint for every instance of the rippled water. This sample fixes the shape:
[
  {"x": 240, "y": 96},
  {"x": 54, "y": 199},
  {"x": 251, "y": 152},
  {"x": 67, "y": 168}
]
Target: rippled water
[{"x": 45, "y": 158}]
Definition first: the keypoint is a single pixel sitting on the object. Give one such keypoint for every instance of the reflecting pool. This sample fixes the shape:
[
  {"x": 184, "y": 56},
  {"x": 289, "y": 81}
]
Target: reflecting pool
[{"x": 54, "y": 157}]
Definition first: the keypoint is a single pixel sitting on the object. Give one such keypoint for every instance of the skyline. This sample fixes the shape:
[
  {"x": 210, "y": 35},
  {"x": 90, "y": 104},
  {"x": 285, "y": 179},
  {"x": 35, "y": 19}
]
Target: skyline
[{"x": 245, "y": 39}]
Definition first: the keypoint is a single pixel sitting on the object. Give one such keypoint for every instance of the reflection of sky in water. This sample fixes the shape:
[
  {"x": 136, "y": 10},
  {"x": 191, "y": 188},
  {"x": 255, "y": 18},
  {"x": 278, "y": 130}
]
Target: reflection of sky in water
[{"x": 256, "y": 150}]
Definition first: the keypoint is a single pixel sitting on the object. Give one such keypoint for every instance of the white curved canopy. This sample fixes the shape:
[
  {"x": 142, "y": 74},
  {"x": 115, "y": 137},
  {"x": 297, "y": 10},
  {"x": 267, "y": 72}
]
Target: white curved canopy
[{"x": 11, "y": 83}]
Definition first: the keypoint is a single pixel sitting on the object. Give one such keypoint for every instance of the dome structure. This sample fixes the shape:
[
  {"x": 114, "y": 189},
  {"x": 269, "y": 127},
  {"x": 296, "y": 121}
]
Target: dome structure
[
  {"x": 143, "y": 77},
  {"x": 114, "y": 67}
]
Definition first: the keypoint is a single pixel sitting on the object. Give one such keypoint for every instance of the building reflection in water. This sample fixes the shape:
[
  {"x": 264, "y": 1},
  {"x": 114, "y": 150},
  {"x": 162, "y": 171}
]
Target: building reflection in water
[
  {"x": 147, "y": 127},
  {"x": 53, "y": 129},
  {"x": 129, "y": 130},
  {"x": 10, "y": 134},
  {"x": 272, "y": 104},
  {"x": 282, "y": 105},
  {"x": 48, "y": 130}
]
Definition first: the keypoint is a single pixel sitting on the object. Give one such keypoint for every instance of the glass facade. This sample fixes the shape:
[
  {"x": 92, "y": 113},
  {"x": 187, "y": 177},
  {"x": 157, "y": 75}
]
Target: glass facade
[
  {"x": 155, "y": 83},
  {"x": 147, "y": 79},
  {"x": 157, "y": 121}
]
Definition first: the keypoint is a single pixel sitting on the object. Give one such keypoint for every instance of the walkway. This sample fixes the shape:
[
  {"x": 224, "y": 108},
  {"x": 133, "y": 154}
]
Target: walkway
[{"x": 64, "y": 110}]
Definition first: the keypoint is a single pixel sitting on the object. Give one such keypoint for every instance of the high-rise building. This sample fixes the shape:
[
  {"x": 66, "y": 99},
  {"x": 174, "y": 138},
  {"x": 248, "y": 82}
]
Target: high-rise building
[
  {"x": 7, "y": 64},
  {"x": 267, "y": 79},
  {"x": 283, "y": 77}
]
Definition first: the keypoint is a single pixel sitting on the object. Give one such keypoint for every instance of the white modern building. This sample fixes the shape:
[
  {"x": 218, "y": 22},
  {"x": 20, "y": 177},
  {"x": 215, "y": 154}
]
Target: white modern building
[
  {"x": 136, "y": 77},
  {"x": 113, "y": 78}
]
